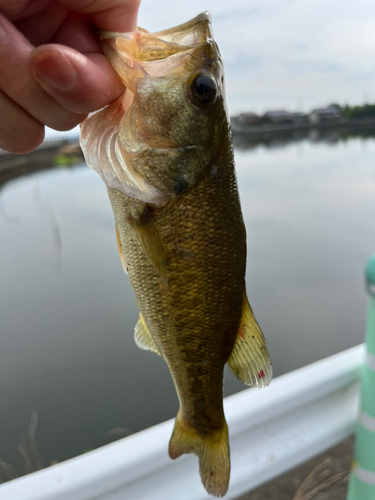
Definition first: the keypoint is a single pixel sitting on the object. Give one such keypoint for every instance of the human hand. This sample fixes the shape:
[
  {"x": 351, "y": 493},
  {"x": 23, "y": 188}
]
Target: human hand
[{"x": 52, "y": 70}]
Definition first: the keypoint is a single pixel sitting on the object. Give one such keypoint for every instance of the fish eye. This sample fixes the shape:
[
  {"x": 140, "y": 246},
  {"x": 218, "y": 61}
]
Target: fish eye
[{"x": 204, "y": 89}]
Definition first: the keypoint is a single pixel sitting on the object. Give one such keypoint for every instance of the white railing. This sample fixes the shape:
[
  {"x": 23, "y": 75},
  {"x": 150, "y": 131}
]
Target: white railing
[{"x": 271, "y": 430}]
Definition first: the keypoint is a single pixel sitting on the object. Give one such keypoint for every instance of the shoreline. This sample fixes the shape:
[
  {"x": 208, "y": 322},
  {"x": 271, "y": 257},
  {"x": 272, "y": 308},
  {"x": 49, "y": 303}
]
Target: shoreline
[
  {"x": 64, "y": 153},
  {"x": 303, "y": 127}
]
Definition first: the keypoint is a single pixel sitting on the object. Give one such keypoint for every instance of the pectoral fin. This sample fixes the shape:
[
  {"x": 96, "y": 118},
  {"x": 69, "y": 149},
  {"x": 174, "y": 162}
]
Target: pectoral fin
[
  {"x": 249, "y": 360},
  {"x": 143, "y": 337},
  {"x": 120, "y": 250},
  {"x": 150, "y": 241}
]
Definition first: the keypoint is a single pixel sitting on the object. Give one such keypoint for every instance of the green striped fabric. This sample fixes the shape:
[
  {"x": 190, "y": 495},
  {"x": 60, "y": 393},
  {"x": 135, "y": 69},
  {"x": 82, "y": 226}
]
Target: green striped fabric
[{"x": 362, "y": 478}]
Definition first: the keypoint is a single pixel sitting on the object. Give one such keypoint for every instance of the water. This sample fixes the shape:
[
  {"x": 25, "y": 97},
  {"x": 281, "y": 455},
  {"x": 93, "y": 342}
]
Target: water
[{"x": 67, "y": 310}]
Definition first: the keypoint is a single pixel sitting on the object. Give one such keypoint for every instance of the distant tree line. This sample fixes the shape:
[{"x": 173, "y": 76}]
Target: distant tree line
[{"x": 365, "y": 111}]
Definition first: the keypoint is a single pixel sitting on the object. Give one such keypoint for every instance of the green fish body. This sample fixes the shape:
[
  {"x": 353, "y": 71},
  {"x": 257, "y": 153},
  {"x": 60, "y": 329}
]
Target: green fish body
[{"x": 166, "y": 155}]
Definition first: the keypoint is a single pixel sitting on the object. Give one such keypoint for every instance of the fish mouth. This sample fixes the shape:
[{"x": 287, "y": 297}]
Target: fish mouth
[
  {"x": 141, "y": 53},
  {"x": 174, "y": 53},
  {"x": 192, "y": 33}
]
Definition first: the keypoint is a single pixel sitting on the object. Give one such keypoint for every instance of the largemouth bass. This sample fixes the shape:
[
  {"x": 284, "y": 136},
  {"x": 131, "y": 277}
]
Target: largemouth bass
[{"x": 165, "y": 152}]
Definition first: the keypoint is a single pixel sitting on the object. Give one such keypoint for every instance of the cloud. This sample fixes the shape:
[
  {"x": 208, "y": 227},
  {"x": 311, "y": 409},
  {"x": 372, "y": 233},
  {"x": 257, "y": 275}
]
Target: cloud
[{"x": 281, "y": 52}]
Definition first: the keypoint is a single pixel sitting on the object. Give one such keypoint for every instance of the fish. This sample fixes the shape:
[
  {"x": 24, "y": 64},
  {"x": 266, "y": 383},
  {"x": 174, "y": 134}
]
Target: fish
[{"x": 164, "y": 150}]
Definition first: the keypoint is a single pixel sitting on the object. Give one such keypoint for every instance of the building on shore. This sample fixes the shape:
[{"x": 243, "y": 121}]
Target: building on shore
[
  {"x": 330, "y": 115},
  {"x": 282, "y": 116},
  {"x": 324, "y": 114},
  {"x": 245, "y": 119}
]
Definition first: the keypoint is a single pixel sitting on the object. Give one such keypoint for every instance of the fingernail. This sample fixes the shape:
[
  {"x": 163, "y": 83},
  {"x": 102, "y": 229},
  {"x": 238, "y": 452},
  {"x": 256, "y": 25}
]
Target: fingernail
[{"x": 55, "y": 70}]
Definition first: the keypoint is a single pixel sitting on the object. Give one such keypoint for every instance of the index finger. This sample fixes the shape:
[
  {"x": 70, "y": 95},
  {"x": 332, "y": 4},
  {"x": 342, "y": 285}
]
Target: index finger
[
  {"x": 19, "y": 85},
  {"x": 111, "y": 15}
]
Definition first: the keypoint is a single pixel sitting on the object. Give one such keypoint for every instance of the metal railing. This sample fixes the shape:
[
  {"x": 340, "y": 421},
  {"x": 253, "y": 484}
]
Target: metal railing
[
  {"x": 362, "y": 480},
  {"x": 300, "y": 415}
]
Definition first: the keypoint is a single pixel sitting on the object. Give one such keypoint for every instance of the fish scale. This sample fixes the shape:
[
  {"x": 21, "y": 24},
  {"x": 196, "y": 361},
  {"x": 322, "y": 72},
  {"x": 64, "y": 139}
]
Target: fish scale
[
  {"x": 165, "y": 152},
  {"x": 203, "y": 299}
]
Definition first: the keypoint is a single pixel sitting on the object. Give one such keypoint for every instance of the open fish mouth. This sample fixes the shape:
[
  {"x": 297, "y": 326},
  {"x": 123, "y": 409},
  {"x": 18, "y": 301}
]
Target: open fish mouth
[
  {"x": 114, "y": 139},
  {"x": 135, "y": 55}
]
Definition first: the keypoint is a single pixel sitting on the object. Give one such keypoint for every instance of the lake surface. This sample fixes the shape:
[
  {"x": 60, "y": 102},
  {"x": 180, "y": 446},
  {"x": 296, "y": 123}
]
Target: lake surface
[{"x": 67, "y": 311}]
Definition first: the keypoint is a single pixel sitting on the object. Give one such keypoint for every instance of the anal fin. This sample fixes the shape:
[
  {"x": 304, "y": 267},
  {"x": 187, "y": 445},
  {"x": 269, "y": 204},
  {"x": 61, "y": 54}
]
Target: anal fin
[
  {"x": 249, "y": 360},
  {"x": 143, "y": 337}
]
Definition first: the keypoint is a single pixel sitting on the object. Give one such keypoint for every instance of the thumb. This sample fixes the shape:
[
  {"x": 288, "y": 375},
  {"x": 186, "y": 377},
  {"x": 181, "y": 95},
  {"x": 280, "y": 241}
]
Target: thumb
[{"x": 80, "y": 82}]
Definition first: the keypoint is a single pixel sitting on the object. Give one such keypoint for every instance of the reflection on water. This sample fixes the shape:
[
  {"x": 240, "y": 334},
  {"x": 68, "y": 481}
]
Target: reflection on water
[
  {"x": 67, "y": 310},
  {"x": 281, "y": 138}
]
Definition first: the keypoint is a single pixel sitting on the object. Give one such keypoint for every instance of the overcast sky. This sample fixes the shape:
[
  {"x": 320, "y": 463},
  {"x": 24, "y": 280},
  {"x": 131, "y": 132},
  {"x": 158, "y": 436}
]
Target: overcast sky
[
  {"x": 292, "y": 54},
  {"x": 284, "y": 54}
]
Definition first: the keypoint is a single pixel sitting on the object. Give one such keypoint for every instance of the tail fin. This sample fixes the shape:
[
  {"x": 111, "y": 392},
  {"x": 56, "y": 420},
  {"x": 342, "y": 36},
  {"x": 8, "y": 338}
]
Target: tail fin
[{"x": 212, "y": 450}]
